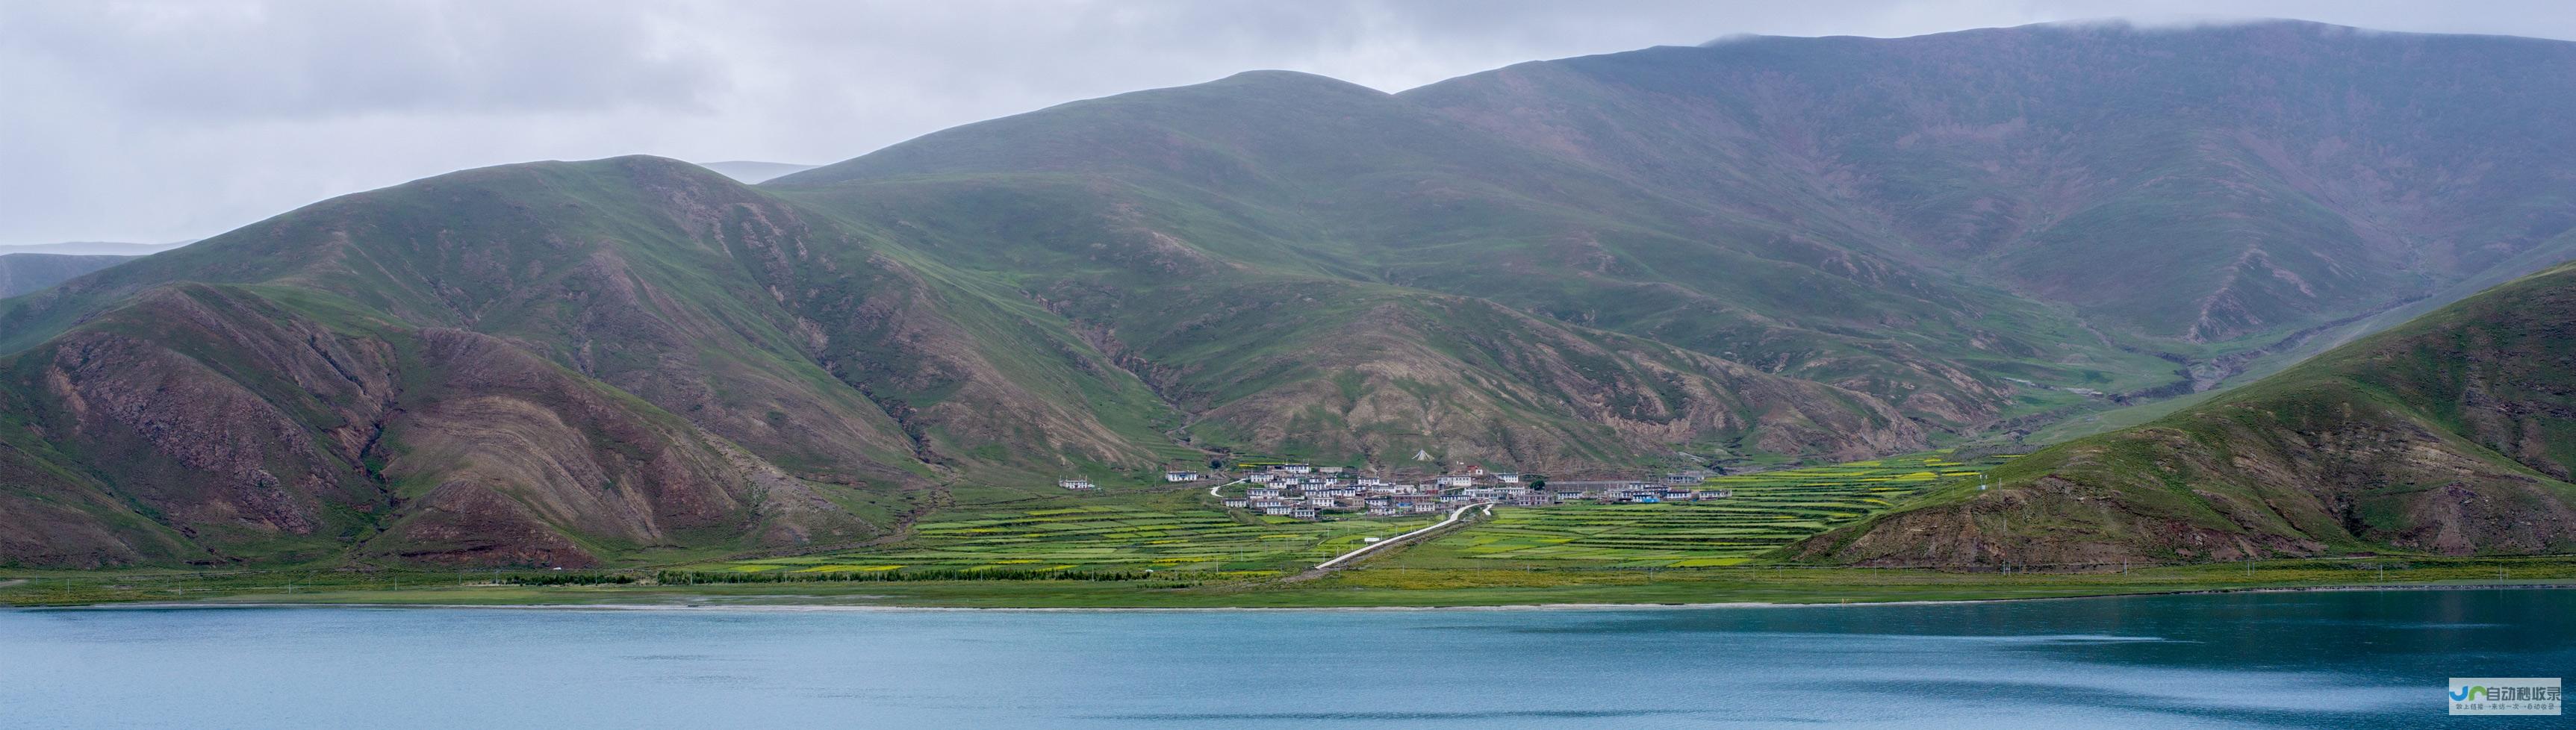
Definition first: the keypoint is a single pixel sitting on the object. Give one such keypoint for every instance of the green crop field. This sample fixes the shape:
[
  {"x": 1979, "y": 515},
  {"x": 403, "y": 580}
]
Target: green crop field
[
  {"x": 1768, "y": 510},
  {"x": 1105, "y": 538}
]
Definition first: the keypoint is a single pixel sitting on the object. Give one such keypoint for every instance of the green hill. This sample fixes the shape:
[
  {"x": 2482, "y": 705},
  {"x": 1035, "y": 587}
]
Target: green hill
[
  {"x": 599, "y": 362},
  {"x": 1282, "y": 174},
  {"x": 2453, "y": 434}
]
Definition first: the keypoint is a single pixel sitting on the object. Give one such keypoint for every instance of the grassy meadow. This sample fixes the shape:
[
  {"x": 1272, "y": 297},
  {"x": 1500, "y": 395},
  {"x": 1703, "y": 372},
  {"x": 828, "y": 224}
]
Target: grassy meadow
[
  {"x": 1096, "y": 552},
  {"x": 1200, "y": 543},
  {"x": 1768, "y": 510}
]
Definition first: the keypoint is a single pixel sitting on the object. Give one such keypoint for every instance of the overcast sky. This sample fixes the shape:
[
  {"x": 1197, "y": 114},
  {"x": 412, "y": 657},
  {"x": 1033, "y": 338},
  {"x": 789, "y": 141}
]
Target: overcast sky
[{"x": 148, "y": 121}]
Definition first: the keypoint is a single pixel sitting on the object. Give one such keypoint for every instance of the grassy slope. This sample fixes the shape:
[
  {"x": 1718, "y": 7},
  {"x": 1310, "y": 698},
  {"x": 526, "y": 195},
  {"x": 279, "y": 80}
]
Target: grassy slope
[
  {"x": 2448, "y": 434},
  {"x": 1099, "y": 205}
]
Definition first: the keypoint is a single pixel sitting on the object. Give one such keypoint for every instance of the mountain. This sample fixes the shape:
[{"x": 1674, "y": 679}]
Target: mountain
[
  {"x": 2208, "y": 184},
  {"x": 754, "y": 172},
  {"x": 1763, "y": 249},
  {"x": 1289, "y": 175},
  {"x": 1982, "y": 226},
  {"x": 2454, "y": 433},
  {"x": 25, "y": 272},
  {"x": 1227, "y": 236}
]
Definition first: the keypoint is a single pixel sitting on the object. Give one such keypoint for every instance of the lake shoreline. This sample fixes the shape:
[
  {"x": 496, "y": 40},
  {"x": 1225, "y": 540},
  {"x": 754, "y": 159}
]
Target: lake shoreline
[
  {"x": 1376, "y": 587},
  {"x": 898, "y": 608}
]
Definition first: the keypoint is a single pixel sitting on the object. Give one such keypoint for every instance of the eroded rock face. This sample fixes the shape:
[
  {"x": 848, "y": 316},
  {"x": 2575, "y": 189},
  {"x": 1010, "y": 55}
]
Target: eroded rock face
[
  {"x": 216, "y": 416},
  {"x": 242, "y": 431}
]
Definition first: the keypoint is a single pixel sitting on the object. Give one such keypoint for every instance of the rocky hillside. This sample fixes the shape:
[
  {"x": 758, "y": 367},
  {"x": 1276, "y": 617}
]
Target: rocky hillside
[
  {"x": 548, "y": 364},
  {"x": 2453, "y": 434},
  {"x": 206, "y": 423}
]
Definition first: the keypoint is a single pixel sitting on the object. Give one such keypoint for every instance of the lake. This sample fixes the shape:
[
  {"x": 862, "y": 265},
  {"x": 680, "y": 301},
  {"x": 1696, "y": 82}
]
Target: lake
[{"x": 2317, "y": 659}]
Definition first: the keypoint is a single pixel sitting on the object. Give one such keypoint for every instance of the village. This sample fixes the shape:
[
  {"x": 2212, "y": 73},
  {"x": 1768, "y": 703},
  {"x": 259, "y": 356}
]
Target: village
[{"x": 1308, "y": 492}]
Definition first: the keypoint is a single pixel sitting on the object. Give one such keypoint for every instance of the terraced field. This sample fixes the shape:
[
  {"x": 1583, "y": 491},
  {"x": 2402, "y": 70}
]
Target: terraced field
[
  {"x": 1768, "y": 510},
  {"x": 1106, "y": 538}
]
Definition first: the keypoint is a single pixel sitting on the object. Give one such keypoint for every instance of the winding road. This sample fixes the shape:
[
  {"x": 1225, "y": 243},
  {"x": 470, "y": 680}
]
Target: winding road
[{"x": 1454, "y": 517}]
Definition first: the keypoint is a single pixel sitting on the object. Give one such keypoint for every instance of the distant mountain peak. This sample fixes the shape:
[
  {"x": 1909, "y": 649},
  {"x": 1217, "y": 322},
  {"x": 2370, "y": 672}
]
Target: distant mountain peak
[{"x": 1292, "y": 79}]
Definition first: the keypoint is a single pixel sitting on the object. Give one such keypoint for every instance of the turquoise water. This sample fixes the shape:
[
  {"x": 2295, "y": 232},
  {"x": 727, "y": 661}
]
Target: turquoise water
[{"x": 2327, "y": 660}]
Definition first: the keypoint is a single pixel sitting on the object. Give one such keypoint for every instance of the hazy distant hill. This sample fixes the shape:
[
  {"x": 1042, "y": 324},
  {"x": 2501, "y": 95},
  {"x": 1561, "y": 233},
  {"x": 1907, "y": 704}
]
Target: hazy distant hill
[
  {"x": 1766, "y": 248},
  {"x": 93, "y": 248},
  {"x": 754, "y": 172},
  {"x": 25, "y": 272},
  {"x": 2453, "y": 433}
]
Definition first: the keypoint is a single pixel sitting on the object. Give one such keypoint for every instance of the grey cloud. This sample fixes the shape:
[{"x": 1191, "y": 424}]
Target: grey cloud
[{"x": 208, "y": 61}]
